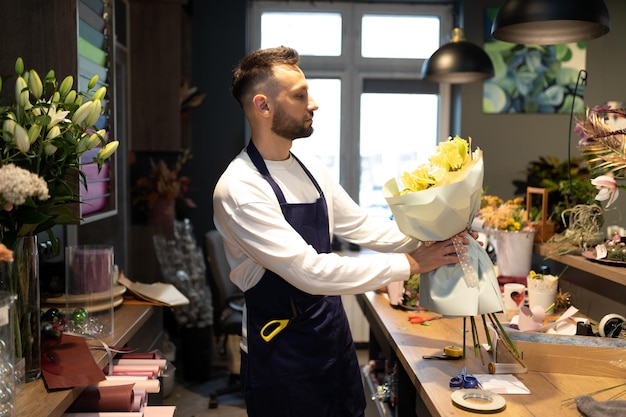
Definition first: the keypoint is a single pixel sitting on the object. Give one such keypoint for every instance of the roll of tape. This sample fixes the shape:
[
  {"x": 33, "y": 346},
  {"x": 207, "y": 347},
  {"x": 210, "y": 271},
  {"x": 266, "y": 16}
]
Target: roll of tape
[
  {"x": 478, "y": 400},
  {"x": 609, "y": 323},
  {"x": 453, "y": 351}
]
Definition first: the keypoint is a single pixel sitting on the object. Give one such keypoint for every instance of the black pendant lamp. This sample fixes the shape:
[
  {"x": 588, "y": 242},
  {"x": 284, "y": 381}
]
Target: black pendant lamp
[
  {"x": 550, "y": 22},
  {"x": 458, "y": 62}
]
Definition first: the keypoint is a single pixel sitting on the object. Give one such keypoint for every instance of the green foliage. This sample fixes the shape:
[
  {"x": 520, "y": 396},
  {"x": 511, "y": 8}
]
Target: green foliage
[{"x": 554, "y": 175}]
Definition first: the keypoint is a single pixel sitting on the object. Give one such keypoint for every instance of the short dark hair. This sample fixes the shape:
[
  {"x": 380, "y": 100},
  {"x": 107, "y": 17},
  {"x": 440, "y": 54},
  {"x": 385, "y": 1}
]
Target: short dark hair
[{"x": 256, "y": 68}]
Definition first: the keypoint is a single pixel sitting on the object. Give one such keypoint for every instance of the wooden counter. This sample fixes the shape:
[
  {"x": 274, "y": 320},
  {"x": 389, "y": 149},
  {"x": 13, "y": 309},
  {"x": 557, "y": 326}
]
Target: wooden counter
[
  {"x": 34, "y": 400},
  {"x": 423, "y": 385}
]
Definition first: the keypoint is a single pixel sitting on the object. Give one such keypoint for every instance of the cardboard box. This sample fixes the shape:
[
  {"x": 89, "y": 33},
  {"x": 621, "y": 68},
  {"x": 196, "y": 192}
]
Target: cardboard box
[{"x": 578, "y": 355}]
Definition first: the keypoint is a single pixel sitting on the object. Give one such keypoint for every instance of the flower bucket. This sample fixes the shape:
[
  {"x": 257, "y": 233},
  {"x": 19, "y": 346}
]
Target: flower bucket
[{"x": 514, "y": 251}]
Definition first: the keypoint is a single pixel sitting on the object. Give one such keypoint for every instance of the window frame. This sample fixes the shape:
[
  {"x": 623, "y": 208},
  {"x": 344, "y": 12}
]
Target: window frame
[{"x": 353, "y": 70}]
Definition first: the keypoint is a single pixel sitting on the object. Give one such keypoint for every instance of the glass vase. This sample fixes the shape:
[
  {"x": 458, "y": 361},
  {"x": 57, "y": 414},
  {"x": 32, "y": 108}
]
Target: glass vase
[
  {"x": 21, "y": 278},
  {"x": 7, "y": 358}
]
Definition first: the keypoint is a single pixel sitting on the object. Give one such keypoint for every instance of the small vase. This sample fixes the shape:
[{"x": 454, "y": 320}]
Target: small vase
[
  {"x": 514, "y": 251},
  {"x": 163, "y": 212},
  {"x": 21, "y": 278}
]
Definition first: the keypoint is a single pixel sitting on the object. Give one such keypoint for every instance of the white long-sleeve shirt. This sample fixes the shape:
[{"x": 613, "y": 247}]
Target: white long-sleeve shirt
[{"x": 257, "y": 236}]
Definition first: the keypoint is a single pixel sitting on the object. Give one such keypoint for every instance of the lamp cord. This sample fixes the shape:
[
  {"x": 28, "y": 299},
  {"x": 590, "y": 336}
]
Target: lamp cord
[{"x": 582, "y": 79}]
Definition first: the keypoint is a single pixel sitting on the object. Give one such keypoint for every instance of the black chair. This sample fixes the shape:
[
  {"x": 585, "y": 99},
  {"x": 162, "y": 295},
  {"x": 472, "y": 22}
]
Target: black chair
[{"x": 229, "y": 302}]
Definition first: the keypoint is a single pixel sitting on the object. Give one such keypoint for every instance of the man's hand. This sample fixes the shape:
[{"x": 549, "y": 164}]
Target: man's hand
[{"x": 431, "y": 255}]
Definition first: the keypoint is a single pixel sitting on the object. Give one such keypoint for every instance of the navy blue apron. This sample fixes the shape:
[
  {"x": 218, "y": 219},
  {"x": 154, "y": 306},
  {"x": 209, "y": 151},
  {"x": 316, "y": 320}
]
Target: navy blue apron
[{"x": 308, "y": 367}]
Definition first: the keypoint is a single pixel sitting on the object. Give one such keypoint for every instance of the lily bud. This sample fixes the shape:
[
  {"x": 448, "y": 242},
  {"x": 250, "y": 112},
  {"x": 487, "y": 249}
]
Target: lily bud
[
  {"x": 94, "y": 114},
  {"x": 33, "y": 133},
  {"x": 56, "y": 98},
  {"x": 21, "y": 139},
  {"x": 82, "y": 145},
  {"x": 21, "y": 92},
  {"x": 8, "y": 127},
  {"x": 53, "y": 133},
  {"x": 92, "y": 82},
  {"x": 108, "y": 150},
  {"x": 66, "y": 86},
  {"x": 0, "y": 83},
  {"x": 34, "y": 84},
  {"x": 19, "y": 66},
  {"x": 82, "y": 112},
  {"x": 94, "y": 139},
  {"x": 50, "y": 77},
  {"x": 99, "y": 94},
  {"x": 70, "y": 98},
  {"x": 49, "y": 149}
]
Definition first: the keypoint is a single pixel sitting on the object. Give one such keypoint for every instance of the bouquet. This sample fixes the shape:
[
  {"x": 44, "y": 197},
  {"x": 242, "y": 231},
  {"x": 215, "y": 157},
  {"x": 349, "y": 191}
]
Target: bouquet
[
  {"x": 510, "y": 215},
  {"x": 48, "y": 136},
  {"x": 435, "y": 202}
]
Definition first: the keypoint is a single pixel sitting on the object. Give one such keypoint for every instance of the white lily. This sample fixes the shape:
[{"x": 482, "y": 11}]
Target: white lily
[{"x": 56, "y": 117}]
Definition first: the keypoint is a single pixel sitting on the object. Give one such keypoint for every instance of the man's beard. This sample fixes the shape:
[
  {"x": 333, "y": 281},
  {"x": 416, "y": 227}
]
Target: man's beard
[{"x": 289, "y": 127}]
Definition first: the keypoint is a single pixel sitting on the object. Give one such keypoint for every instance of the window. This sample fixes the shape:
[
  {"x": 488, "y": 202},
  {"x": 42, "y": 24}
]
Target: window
[{"x": 376, "y": 116}]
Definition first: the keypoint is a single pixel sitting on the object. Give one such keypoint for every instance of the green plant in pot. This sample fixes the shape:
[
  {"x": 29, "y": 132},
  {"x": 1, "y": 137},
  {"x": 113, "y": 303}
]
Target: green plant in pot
[{"x": 568, "y": 185}]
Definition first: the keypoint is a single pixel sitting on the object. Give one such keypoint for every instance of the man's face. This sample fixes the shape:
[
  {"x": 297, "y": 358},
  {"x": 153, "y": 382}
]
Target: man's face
[{"x": 293, "y": 110}]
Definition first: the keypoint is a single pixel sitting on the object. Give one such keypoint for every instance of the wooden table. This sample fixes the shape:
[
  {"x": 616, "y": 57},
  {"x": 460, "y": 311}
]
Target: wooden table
[
  {"x": 32, "y": 398},
  {"x": 423, "y": 385}
]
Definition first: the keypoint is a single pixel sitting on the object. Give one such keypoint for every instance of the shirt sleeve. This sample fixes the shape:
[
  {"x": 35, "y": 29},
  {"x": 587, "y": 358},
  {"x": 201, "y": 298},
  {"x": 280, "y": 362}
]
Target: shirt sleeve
[{"x": 258, "y": 238}]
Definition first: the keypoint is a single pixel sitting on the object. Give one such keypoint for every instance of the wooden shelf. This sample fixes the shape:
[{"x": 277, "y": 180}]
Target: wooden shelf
[
  {"x": 611, "y": 273},
  {"x": 33, "y": 399}
]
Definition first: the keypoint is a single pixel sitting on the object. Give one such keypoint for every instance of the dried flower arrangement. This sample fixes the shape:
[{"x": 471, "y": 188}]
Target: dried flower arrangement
[{"x": 164, "y": 183}]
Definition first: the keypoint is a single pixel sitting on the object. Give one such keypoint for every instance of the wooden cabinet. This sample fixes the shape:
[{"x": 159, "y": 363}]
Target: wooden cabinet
[
  {"x": 72, "y": 37},
  {"x": 156, "y": 74}
]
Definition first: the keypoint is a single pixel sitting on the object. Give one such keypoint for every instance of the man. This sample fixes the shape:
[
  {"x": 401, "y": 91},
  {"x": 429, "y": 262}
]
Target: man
[{"x": 277, "y": 214}]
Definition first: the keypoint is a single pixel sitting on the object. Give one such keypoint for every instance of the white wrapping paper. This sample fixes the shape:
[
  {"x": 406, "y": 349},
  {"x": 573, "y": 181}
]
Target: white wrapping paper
[{"x": 439, "y": 213}]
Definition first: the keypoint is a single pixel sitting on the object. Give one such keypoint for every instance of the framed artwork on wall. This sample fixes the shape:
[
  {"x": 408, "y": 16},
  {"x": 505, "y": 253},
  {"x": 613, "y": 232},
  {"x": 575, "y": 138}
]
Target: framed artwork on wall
[{"x": 533, "y": 78}]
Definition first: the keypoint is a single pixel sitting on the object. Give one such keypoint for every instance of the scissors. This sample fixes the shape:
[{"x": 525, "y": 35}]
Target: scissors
[
  {"x": 273, "y": 327},
  {"x": 463, "y": 380}
]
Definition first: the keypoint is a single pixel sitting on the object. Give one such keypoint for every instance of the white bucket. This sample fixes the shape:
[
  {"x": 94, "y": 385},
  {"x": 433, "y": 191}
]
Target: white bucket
[{"x": 514, "y": 251}]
